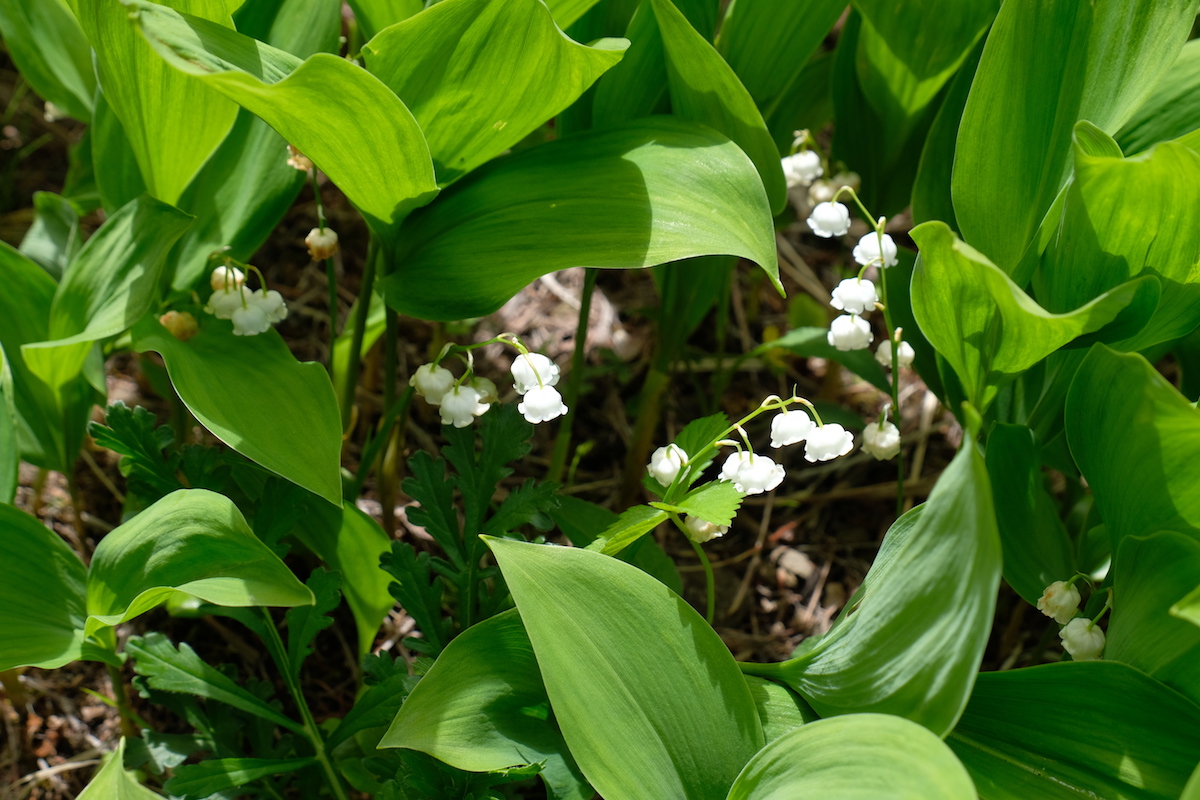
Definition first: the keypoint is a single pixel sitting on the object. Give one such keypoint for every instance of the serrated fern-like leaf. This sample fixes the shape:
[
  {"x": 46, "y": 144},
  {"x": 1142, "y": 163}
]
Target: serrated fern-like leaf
[{"x": 419, "y": 592}]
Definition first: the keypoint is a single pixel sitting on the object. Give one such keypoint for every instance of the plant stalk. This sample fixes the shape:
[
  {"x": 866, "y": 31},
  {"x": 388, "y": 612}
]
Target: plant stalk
[
  {"x": 709, "y": 584},
  {"x": 562, "y": 444},
  {"x": 350, "y": 379},
  {"x": 895, "y": 383}
]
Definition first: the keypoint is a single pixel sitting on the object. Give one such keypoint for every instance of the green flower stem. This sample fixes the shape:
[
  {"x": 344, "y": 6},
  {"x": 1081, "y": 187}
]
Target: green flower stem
[
  {"x": 895, "y": 383},
  {"x": 562, "y": 444},
  {"x": 648, "y": 414},
  {"x": 386, "y": 471},
  {"x": 125, "y": 711},
  {"x": 350, "y": 379},
  {"x": 710, "y": 591},
  {"x": 279, "y": 653},
  {"x": 330, "y": 270}
]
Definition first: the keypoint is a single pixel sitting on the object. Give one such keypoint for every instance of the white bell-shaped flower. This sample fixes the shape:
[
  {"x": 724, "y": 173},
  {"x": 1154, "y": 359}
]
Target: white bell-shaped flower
[
  {"x": 829, "y": 219},
  {"x": 801, "y": 169},
  {"x": 1059, "y": 602},
  {"x": 758, "y": 474},
  {"x": 701, "y": 531},
  {"x": 322, "y": 244},
  {"x": 855, "y": 296},
  {"x": 828, "y": 442},
  {"x": 224, "y": 277},
  {"x": 460, "y": 406},
  {"x": 869, "y": 252},
  {"x": 250, "y": 320},
  {"x": 542, "y": 404},
  {"x": 1083, "y": 639},
  {"x": 432, "y": 382},
  {"x": 666, "y": 462},
  {"x": 881, "y": 440},
  {"x": 733, "y": 465},
  {"x": 790, "y": 427},
  {"x": 223, "y": 303},
  {"x": 850, "y": 332},
  {"x": 528, "y": 367},
  {"x": 904, "y": 352},
  {"x": 271, "y": 303}
]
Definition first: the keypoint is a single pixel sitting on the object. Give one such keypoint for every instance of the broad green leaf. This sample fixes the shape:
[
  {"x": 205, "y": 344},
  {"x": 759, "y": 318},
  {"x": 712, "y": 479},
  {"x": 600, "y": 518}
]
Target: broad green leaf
[
  {"x": 1172, "y": 110},
  {"x": 118, "y": 178},
  {"x": 168, "y": 669},
  {"x": 192, "y": 541},
  {"x": 198, "y": 781},
  {"x": 375, "y": 15},
  {"x": 252, "y": 394},
  {"x": 910, "y": 642},
  {"x": 566, "y": 12},
  {"x": 482, "y": 707},
  {"x": 1125, "y": 217},
  {"x": 363, "y": 137},
  {"x": 641, "y": 687},
  {"x": 302, "y": 29},
  {"x": 810, "y": 342},
  {"x": 1077, "y": 729},
  {"x": 705, "y": 89},
  {"x": 54, "y": 238},
  {"x": 987, "y": 328},
  {"x": 780, "y": 710},
  {"x": 112, "y": 782},
  {"x": 351, "y": 543},
  {"x": 42, "y": 594},
  {"x": 48, "y": 48},
  {"x": 632, "y": 524},
  {"x": 931, "y": 192},
  {"x": 647, "y": 193},
  {"x": 855, "y": 757},
  {"x": 480, "y": 75},
  {"x": 1046, "y": 65},
  {"x": 1136, "y": 441},
  {"x": 110, "y": 284},
  {"x": 1037, "y": 550},
  {"x": 1149, "y": 575},
  {"x": 1192, "y": 790},
  {"x": 583, "y": 522},
  {"x": 173, "y": 121},
  {"x": 10, "y": 451},
  {"x": 768, "y": 43}
]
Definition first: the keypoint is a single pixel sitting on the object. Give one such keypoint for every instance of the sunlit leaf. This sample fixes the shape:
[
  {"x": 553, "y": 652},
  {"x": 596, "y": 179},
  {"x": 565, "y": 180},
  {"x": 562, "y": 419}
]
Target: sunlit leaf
[
  {"x": 45, "y": 43},
  {"x": 113, "y": 782},
  {"x": 1172, "y": 110}
]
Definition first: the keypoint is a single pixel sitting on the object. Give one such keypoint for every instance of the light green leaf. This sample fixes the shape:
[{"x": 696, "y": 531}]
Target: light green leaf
[
  {"x": 632, "y": 524},
  {"x": 42, "y": 594},
  {"x": 583, "y": 522},
  {"x": 180, "y": 670},
  {"x": 363, "y": 137},
  {"x": 855, "y": 757},
  {"x": 192, "y": 541},
  {"x": 1192, "y": 790},
  {"x": 198, "y": 781},
  {"x": 480, "y": 75},
  {"x": 1149, "y": 574},
  {"x": 482, "y": 707},
  {"x": 48, "y": 48},
  {"x": 1046, "y": 65},
  {"x": 1127, "y": 217},
  {"x": 641, "y": 687},
  {"x": 351, "y": 543},
  {"x": 112, "y": 782},
  {"x": 1172, "y": 110},
  {"x": 909, "y": 642},
  {"x": 705, "y": 89},
  {"x": 252, "y": 394},
  {"x": 780, "y": 710},
  {"x": 987, "y": 328},
  {"x": 173, "y": 122},
  {"x": 647, "y": 193},
  {"x": 716, "y": 502},
  {"x": 375, "y": 15},
  {"x": 118, "y": 178},
  {"x": 1189, "y": 607},
  {"x": 1037, "y": 550},
  {"x": 1077, "y": 729},
  {"x": 931, "y": 191},
  {"x": 53, "y": 239},
  {"x": 1136, "y": 441},
  {"x": 10, "y": 451}
]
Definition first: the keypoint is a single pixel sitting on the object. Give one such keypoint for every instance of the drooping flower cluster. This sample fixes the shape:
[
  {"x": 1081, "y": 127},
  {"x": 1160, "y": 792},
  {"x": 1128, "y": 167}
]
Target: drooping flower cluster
[
  {"x": 858, "y": 296},
  {"x": 535, "y": 377},
  {"x": 459, "y": 403},
  {"x": 252, "y": 312},
  {"x": 1081, "y": 637}
]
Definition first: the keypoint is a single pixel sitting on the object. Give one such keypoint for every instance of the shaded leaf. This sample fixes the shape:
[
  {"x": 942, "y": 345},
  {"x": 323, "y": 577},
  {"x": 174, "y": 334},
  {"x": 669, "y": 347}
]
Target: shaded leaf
[
  {"x": 814, "y": 342},
  {"x": 48, "y": 48},
  {"x": 135, "y": 435},
  {"x": 53, "y": 239},
  {"x": 419, "y": 592},
  {"x": 305, "y": 622},
  {"x": 197, "y": 781},
  {"x": 1171, "y": 110},
  {"x": 780, "y": 710}
]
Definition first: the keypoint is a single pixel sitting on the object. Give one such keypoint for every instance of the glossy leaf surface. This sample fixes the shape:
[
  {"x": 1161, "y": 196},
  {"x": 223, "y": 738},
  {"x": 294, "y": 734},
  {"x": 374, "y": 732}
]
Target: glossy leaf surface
[
  {"x": 192, "y": 541},
  {"x": 909, "y": 642},
  {"x": 640, "y": 685},
  {"x": 480, "y": 75},
  {"x": 1042, "y": 732},
  {"x": 855, "y": 757},
  {"x": 375, "y": 15},
  {"x": 1172, "y": 110},
  {"x": 252, "y": 394},
  {"x": 647, "y": 193},
  {"x": 987, "y": 328}
]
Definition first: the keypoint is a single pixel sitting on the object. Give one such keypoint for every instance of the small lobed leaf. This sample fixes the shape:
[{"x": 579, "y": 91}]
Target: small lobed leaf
[
  {"x": 305, "y": 622},
  {"x": 419, "y": 593},
  {"x": 632, "y": 524},
  {"x": 134, "y": 434},
  {"x": 716, "y": 502}
]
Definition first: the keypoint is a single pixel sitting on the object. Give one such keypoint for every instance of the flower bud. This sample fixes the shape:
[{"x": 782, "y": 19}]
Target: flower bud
[
  {"x": 528, "y": 367},
  {"x": 322, "y": 244},
  {"x": 223, "y": 278},
  {"x": 867, "y": 251},
  {"x": 849, "y": 332},
  {"x": 432, "y": 382},
  {"x": 829, "y": 219},
  {"x": 461, "y": 405},
  {"x": 790, "y": 427},
  {"x": 542, "y": 404},
  {"x": 904, "y": 350},
  {"x": 297, "y": 160},
  {"x": 181, "y": 324},
  {"x": 488, "y": 393},
  {"x": 701, "y": 531},
  {"x": 802, "y": 168},
  {"x": 666, "y": 462},
  {"x": 1059, "y": 601},
  {"x": 854, "y": 296},
  {"x": 828, "y": 442},
  {"x": 1083, "y": 639},
  {"x": 881, "y": 440}
]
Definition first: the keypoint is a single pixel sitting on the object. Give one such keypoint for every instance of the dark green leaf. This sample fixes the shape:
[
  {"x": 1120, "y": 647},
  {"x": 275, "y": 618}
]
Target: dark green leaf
[
  {"x": 419, "y": 592},
  {"x": 198, "y": 781},
  {"x": 375, "y": 708},
  {"x": 48, "y": 48},
  {"x": 810, "y": 342},
  {"x": 583, "y": 522},
  {"x": 529, "y": 503},
  {"x": 159, "y": 752},
  {"x": 305, "y": 622},
  {"x": 505, "y": 435},
  {"x": 435, "y": 510},
  {"x": 134, "y": 434}
]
